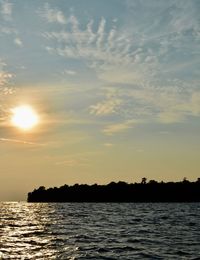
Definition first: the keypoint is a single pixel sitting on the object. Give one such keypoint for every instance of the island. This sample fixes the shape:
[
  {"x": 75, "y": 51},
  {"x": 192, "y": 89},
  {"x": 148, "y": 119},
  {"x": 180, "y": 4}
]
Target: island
[{"x": 152, "y": 191}]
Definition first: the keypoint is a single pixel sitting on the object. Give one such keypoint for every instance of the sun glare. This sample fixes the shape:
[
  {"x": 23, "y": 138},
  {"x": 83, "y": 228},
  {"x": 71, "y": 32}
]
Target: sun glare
[{"x": 24, "y": 117}]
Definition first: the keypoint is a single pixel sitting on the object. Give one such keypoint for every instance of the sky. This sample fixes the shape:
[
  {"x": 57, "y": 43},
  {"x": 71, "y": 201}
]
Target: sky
[{"x": 116, "y": 87}]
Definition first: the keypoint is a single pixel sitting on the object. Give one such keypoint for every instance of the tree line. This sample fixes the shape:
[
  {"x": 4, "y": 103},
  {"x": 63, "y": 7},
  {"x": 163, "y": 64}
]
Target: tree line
[{"x": 151, "y": 191}]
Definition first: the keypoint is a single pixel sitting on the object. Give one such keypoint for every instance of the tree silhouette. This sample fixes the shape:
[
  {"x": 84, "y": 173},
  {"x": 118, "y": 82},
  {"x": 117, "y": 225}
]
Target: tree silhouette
[
  {"x": 153, "y": 191},
  {"x": 144, "y": 180}
]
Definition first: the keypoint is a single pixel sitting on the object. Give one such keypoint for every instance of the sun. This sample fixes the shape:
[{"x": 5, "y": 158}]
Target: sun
[{"x": 24, "y": 117}]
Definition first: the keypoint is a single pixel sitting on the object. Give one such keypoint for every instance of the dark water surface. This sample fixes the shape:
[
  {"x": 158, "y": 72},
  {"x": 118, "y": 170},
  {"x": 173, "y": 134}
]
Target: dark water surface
[{"x": 99, "y": 231}]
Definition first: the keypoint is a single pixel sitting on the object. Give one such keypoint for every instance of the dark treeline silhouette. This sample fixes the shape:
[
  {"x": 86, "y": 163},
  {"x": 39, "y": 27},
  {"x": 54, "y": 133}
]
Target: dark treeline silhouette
[{"x": 153, "y": 191}]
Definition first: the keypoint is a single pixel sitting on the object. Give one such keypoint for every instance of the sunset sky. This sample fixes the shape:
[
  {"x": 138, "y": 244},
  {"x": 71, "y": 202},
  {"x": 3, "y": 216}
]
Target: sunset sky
[{"x": 115, "y": 86}]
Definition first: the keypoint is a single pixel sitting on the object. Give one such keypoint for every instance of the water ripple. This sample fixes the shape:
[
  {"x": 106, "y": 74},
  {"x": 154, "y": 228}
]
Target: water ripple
[{"x": 99, "y": 231}]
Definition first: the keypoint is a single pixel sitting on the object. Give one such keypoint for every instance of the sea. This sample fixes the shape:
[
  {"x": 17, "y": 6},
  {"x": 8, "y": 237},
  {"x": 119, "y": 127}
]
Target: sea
[{"x": 99, "y": 231}]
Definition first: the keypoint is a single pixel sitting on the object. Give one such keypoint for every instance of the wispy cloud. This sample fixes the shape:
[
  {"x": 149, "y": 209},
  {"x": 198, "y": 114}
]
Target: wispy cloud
[
  {"x": 4, "y": 75},
  {"x": 4, "y": 78},
  {"x": 52, "y": 15},
  {"x": 5, "y": 88},
  {"x": 18, "y": 42},
  {"x": 8, "y": 26},
  {"x": 128, "y": 54},
  {"x": 73, "y": 162},
  {"x": 102, "y": 49},
  {"x": 150, "y": 54},
  {"x": 6, "y": 9},
  {"x": 20, "y": 141},
  {"x": 69, "y": 72},
  {"x": 7, "y": 30},
  {"x": 109, "y": 145},
  {"x": 119, "y": 127},
  {"x": 5, "y": 91},
  {"x": 109, "y": 106}
]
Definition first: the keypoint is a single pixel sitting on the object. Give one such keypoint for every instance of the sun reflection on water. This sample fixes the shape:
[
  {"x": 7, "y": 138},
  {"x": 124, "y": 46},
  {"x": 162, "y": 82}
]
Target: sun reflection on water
[{"x": 31, "y": 231}]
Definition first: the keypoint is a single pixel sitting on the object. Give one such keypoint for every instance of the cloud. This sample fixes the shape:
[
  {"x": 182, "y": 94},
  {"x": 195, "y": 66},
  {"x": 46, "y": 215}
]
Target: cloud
[
  {"x": 109, "y": 106},
  {"x": 169, "y": 104},
  {"x": 194, "y": 104},
  {"x": 150, "y": 60},
  {"x": 19, "y": 141},
  {"x": 18, "y": 42},
  {"x": 101, "y": 48},
  {"x": 73, "y": 162},
  {"x": 168, "y": 117},
  {"x": 123, "y": 56},
  {"x": 70, "y": 72},
  {"x": 5, "y": 91},
  {"x": 4, "y": 77},
  {"x": 143, "y": 51},
  {"x": 117, "y": 128},
  {"x": 108, "y": 145},
  {"x": 52, "y": 15},
  {"x": 6, "y": 9},
  {"x": 8, "y": 26},
  {"x": 7, "y": 30},
  {"x": 67, "y": 162}
]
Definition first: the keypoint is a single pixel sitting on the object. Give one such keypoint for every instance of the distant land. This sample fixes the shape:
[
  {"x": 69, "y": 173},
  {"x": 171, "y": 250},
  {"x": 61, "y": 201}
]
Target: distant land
[{"x": 152, "y": 191}]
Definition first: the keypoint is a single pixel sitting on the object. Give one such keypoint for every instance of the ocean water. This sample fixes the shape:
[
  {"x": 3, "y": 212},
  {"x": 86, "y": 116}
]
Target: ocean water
[{"x": 99, "y": 231}]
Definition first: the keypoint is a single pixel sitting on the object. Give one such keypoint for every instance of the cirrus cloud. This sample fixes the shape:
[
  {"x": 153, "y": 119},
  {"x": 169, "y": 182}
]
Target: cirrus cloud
[{"x": 145, "y": 60}]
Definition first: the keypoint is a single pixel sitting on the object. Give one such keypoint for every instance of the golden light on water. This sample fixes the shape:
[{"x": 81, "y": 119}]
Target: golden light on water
[{"x": 24, "y": 117}]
